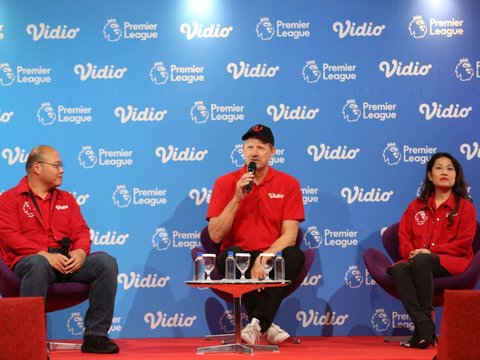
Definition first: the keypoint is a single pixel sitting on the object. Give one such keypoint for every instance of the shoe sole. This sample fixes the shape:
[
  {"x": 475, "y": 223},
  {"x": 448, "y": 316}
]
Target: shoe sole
[{"x": 282, "y": 339}]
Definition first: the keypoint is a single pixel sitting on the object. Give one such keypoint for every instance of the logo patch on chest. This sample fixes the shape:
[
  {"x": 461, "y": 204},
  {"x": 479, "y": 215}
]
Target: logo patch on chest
[
  {"x": 421, "y": 217},
  {"x": 27, "y": 209}
]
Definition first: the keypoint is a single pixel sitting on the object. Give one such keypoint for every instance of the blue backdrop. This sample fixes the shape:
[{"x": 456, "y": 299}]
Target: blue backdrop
[{"x": 146, "y": 102}]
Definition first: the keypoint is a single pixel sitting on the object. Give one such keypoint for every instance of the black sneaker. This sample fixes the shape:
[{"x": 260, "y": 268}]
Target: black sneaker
[{"x": 99, "y": 345}]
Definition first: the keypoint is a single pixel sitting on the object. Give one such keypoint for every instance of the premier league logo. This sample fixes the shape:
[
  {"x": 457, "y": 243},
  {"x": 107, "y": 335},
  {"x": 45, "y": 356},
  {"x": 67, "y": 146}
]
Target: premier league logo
[
  {"x": 160, "y": 239},
  {"x": 121, "y": 197},
  {"x": 112, "y": 31},
  {"x": 351, "y": 111},
  {"x": 417, "y": 27},
  {"x": 227, "y": 321},
  {"x": 353, "y": 277},
  {"x": 159, "y": 73},
  {"x": 237, "y": 156},
  {"x": 199, "y": 113},
  {"x": 27, "y": 209},
  {"x": 464, "y": 70},
  {"x": 75, "y": 324},
  {"x": 265, "y": 30},
  {"x": 391, "y": 154},
  {"x": 312, "y": 238},
  {"x": 380, "y": 320},
  {"x": 6, "y": 75},
  {"x": 311, "y": 72},
  {"x": 421, "y": 217},
  {"x": 87, "y": 157},
  {"x": 45, "y": 114}
]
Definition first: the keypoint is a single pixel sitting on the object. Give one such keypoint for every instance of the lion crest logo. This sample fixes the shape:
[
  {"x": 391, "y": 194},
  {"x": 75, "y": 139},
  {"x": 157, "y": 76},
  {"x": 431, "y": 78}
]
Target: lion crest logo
[
  {"x": 158, "y": 73},
  {"x": 6, "y": 75},
  {"x": 87, "y": 157},
  {"x": 351, "y": 112},
  {"x": 160, "y": 239},
  {"x": 121, "y": 197},
  {"x": 264, "y": 29},
  {"x": 311, "y": 72},
  {"x": 227, "y": 321},
  {"x": 237, "y": 156},
  {"x": 112, "y": 31},
  {"x": 199, "y": 113},
  {"x": 353, "y": 277},
  {"x": 464, "y": 70},
  {"x": 312, "y": 237},
  {"x": 75, "y": 324},
  {"x": 27, "y": 209},
  {"x": 421, "y": 217},
  {"x": 391, "y": 154},
  {"x": 45, "y": 114},
  {"x": 380, "y": 320},
  {"x": 417, "y": 27}
]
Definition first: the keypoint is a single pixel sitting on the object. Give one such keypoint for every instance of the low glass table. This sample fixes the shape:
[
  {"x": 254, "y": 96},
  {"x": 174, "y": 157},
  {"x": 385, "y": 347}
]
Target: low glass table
[{"x": 237, "y": 288}]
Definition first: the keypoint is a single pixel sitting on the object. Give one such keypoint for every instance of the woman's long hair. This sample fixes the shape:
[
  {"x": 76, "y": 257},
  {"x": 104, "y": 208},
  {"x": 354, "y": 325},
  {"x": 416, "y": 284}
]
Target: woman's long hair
[{"x": 459, "y": 189}]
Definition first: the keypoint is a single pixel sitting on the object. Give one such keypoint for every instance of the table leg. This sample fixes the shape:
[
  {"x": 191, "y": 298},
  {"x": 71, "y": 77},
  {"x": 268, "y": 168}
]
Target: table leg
[
  {"x": 237, "y": 346},
  {"x": 237, "y": 313}
]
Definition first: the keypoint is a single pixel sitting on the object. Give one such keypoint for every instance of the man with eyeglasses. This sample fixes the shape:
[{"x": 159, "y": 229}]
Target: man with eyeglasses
[{"x": 44, "y": 239}]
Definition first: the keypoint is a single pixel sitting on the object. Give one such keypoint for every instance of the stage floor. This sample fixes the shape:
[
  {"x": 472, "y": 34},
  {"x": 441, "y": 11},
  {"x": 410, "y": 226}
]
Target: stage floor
[{"x": 331, "y": 348}]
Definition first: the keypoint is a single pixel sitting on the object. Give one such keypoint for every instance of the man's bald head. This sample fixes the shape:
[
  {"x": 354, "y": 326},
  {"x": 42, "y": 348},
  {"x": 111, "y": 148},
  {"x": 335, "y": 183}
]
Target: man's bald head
[{"x": 37, "y": 154}]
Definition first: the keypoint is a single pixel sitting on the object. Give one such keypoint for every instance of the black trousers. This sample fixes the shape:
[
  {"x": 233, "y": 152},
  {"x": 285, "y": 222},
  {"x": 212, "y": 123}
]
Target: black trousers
[
  {"x": 414, "y": 283},
  {"x": 264, "y": 304}
]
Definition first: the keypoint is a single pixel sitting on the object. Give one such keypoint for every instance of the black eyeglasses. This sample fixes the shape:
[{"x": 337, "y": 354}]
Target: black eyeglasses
[{"x": 57, "y": 166}]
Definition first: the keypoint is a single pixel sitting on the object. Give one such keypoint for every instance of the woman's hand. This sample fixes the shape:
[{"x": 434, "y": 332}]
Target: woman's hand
[{"x": 418, "y": 251}]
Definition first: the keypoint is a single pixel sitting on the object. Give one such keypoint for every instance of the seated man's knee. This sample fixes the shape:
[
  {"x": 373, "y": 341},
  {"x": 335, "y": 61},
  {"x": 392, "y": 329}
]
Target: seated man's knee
[
  {"x": 235, "y": 249},
  {"x": 104, "y": 262},
  {"x": 37, "y": 263},
  {"x": 293, "y": 253},
  {"x": 294, "y": 260},
  {"x": 38, "y": 260}
]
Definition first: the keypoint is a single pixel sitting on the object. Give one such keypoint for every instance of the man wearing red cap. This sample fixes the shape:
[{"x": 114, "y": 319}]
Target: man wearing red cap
[{"x": 258, "y": 211}]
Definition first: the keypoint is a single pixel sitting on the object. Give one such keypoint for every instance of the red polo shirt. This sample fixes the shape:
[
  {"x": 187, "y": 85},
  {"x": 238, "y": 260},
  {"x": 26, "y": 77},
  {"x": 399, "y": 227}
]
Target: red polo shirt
[
  {"x": 258, "y": 221},
  {"x": 425, "y": 226}
]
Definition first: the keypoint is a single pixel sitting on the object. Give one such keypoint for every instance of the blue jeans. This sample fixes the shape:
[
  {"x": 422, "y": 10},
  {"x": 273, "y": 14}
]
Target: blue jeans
[{"x": 99, "y": 272}]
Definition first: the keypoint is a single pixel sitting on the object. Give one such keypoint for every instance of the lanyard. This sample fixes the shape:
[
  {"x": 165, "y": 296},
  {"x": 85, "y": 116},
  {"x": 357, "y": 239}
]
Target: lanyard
[{"x": 32, "y": 196}]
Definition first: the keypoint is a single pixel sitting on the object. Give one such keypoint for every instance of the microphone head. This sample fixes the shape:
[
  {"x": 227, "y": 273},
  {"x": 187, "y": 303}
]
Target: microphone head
[
  {"x": 65, "y": 242},
  {"x": 252, "y": 167}
]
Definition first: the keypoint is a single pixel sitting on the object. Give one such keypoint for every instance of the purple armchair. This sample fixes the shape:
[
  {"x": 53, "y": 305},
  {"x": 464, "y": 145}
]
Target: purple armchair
[
  {"x": 377, "y": 264},
  {"x": 60, "y": 296}
]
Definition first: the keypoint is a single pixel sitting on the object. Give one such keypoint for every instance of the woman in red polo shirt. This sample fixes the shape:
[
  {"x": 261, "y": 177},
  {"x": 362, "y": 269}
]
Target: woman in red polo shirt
[{"x": 435, "y": 239}]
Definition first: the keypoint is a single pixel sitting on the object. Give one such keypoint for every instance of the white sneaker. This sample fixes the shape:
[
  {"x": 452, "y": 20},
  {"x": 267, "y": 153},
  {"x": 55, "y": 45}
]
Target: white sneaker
[
  {"x": 275, "y": 335},
  {"x": 251, "y": 334}
]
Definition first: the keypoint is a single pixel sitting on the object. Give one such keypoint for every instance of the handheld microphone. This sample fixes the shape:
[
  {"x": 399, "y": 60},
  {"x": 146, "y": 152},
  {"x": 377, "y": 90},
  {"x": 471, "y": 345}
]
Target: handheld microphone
[
  {"x": 251, "y": 168},
  {"x": 65, "y": 244}
]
